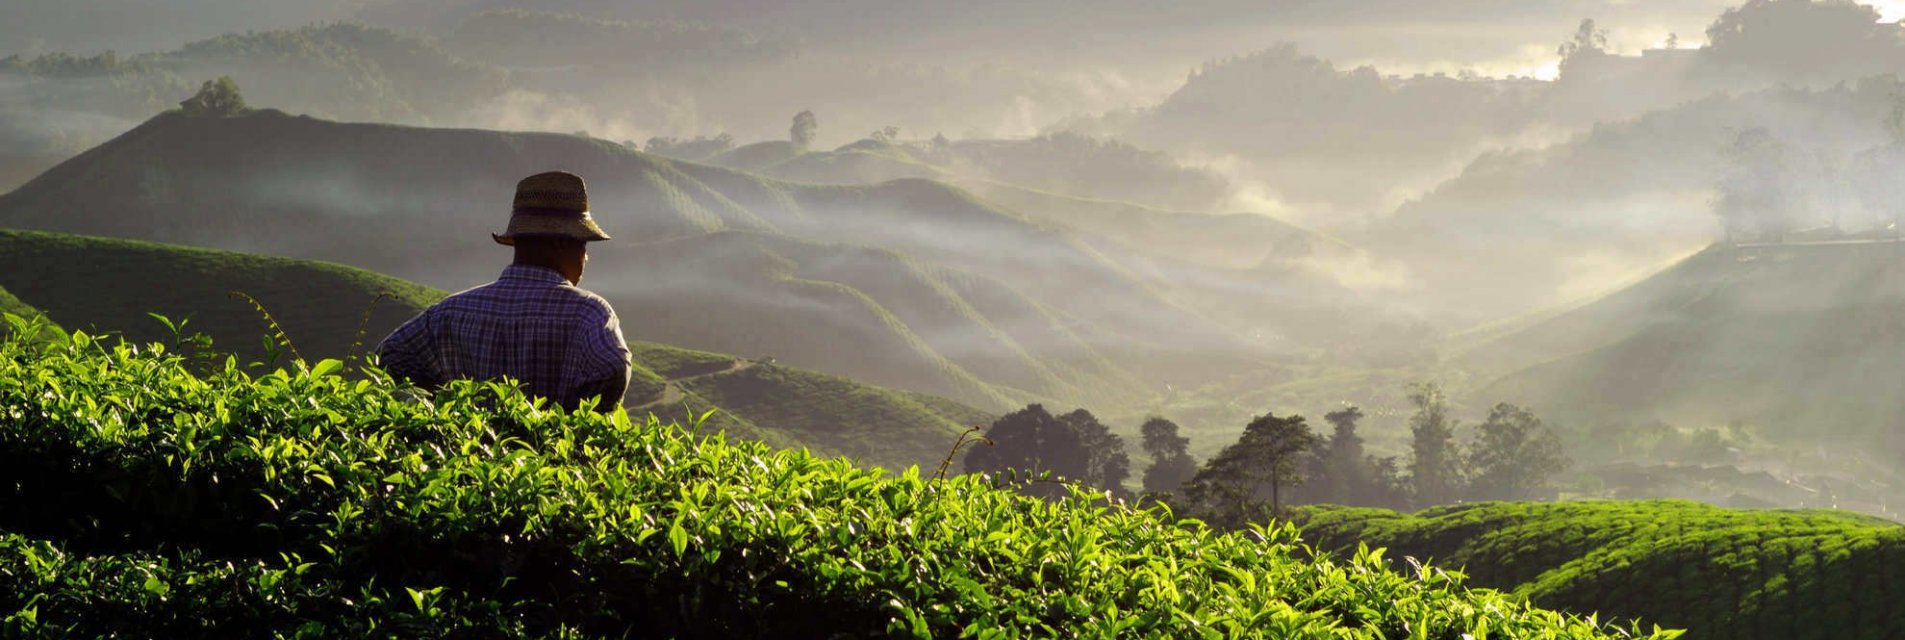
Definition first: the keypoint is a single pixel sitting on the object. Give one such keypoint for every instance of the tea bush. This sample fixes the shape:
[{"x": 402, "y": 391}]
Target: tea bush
[
  {"x": 140, "y": 497},
  {"x": 1720, "y": 573}
]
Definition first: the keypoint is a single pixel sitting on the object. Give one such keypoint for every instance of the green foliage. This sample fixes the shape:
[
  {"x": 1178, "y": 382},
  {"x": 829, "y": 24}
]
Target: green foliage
[
  {"x": 1269, "y": 456},
  {"x": 1720, "y": 573},
  {"x": 1513, "y": 456},
  {"x": 1033, "y": 444},
  {"x": 140, "y": 499},
  {"x": 802, "y": 132},
  {"x": 1345, "y": 474},
  {"x": 218, "y": 97},
  {"x": 1171, "y": 462},
  {"x": 1435, "y": 462}
]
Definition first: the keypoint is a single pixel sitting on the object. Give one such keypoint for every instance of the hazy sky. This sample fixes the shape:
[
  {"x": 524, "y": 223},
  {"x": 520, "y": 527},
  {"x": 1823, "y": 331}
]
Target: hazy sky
[{"x": 1494, "y": 36}]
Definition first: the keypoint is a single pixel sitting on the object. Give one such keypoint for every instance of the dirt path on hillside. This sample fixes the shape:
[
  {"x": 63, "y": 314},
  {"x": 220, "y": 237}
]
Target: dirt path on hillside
[{"x": 671, "y": 392}]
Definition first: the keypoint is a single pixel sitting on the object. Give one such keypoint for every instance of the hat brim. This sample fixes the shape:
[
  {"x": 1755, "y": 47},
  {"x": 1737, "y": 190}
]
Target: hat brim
[{"x": 525, "y": 226}]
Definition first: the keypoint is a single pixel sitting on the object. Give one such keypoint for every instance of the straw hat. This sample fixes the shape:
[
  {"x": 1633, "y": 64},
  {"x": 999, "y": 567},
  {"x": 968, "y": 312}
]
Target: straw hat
[{"x": 553, "y": 204}]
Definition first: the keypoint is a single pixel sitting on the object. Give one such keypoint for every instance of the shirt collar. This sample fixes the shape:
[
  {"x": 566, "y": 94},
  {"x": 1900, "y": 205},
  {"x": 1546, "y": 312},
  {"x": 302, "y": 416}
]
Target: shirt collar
[{"x": 533, "y": 274}]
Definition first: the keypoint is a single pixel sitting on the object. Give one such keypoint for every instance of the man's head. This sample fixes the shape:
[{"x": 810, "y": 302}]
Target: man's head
[
  {"x": 550, "y": 223},
  {"x": 566, "y": 255}
]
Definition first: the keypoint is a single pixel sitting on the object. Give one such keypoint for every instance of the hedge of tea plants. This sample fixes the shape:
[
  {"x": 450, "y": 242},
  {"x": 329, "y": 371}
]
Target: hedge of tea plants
[
  {"x": 1718, "y": 573},
  {"x": 142, "y": 497}
]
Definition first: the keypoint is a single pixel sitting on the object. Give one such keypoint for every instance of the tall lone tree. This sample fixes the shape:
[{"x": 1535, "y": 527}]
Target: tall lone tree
[
  {"x": 1435, "y": 465},
  {"x": 215, "y": 98},
  {"x": 1514, "y": 455},
  {"x": 803, "y": 130},
  {"x": 1268, "y": 456},
  {"x": 1171, "y": 463}
]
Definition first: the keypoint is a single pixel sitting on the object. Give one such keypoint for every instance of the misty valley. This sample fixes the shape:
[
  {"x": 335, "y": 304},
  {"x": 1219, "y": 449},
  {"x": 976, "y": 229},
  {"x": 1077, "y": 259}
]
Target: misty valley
[{"x": 1377, "y": 319}]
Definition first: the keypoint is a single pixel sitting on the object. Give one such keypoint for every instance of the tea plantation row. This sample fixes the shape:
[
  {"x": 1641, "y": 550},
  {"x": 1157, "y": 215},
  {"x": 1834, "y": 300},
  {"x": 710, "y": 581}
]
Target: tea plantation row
[
  {"x": 142, "y": 496},
  {"x": 1719, "y": 573}
]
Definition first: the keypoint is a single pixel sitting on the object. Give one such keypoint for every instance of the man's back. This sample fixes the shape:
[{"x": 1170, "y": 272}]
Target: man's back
[{"x": 561, "y": 342}]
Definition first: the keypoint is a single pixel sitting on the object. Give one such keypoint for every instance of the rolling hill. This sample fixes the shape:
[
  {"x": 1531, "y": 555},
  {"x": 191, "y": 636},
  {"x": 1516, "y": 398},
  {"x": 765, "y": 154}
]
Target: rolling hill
[
  {"x": 412, "y": 202},
  {"x": 1718, "y": 573},
  {"x": 1065, "y": 163},
  {"x": 1804, "y": 343},
  {"x": 109, "y": 285},
  {"x": 11, "y": 304}
]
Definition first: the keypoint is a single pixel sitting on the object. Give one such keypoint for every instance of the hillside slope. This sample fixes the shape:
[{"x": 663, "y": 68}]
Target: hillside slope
[
  {"x": 1805, "y": 343},
  {"x": 108, "y": 285},
  {"x": 11, "y": 304},
  {"x": 101, "y": 285},
  {"x": 179, "y": 510},
  {"x": 1718, "y": 573},
  {"x": 413, "y": 203},
  {"x": 1525, "y": 229},
  {"x": 788, "y": 407}
]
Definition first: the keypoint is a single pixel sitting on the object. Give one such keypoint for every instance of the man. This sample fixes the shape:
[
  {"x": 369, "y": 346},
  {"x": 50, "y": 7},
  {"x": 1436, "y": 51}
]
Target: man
[{"x": 532, "y": 324}]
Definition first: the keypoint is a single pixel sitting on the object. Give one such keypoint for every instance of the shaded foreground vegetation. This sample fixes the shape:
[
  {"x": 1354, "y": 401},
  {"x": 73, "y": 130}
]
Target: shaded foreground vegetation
[
  {"x": 141, "y": 498},
  {"x": 1720, "y": 573}
]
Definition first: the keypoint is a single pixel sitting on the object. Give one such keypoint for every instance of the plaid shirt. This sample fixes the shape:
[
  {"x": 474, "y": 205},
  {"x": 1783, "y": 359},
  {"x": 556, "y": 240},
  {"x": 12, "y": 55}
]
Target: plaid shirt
[{"x": 561, "y": 342}]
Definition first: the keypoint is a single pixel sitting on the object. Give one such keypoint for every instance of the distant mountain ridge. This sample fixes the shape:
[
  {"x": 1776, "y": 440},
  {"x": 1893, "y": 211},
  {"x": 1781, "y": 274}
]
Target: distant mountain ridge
[{"x": 415, "y": 202}]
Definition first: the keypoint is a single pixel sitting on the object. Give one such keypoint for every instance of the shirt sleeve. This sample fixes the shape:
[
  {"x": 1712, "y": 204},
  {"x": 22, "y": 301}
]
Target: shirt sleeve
[
  {"x": 607, "y": 350},
  {"x": 608, "y": 347},
  {"x": 407, "y": 354}
]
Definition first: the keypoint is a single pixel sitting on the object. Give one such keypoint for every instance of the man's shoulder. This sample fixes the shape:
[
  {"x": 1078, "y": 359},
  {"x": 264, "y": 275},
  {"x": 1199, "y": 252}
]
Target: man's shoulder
[
  {"x": 589, "y": 300},
  {"x": 503, "y": 293},
  {"x": 467, "y": 297}
]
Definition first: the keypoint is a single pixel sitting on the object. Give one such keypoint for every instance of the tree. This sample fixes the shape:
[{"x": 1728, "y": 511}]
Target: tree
[
  {"x": 215, "y": 98},
  {"x": 1514, "y": 455},
  {"x": 1107, "y": 466},
  {"x": 1075, "y": 447},
  {"x": 1804, "y": 40},
  {"x": 1269, "y": 455},
  {"x": 1171, "y": 463},
  {"x": 1435, "y": 460},
  {"x": 1588, "y": 39},
  {"x": 1342, "y": 467},
  {"x": 1388, "y": 488},
  {"x": 803, "y": 130},
  {"x": 888, "y": 135}
]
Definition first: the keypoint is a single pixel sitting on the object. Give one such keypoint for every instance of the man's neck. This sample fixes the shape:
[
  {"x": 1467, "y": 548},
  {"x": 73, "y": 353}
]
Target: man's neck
[{"x": 544, "y": 264}]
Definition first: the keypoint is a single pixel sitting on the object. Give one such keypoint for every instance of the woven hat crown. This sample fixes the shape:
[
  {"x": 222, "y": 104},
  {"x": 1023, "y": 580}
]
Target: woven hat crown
[
  {"x": 554, "y": 190},
  {"x": 552, "y": 204}
]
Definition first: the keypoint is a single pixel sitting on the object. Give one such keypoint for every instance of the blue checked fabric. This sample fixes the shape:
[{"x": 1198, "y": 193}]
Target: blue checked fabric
[{"x": 531, "y": 325}]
